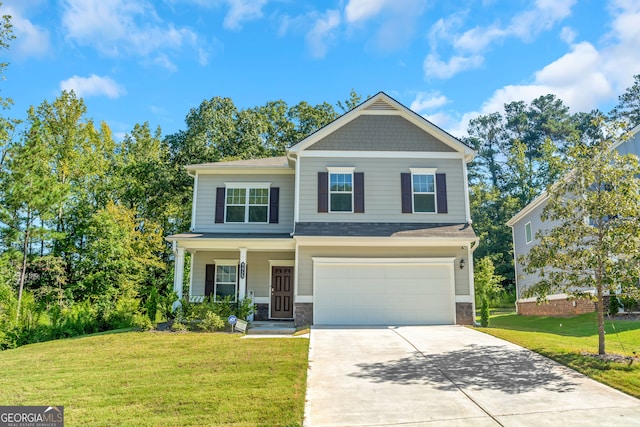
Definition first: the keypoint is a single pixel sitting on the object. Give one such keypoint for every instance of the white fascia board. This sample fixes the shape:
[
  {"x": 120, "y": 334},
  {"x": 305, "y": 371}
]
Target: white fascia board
[
  {"x": 214, "y": 244},
  {"x": 527, "y": 209},
  {"x": 341, "y": 241},
  {"x": 382, "y": 154}
]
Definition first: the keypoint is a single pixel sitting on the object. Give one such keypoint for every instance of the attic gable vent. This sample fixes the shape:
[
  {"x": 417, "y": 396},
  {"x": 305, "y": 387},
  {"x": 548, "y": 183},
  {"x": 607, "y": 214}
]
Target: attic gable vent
[{"x": 380, "y": 105}]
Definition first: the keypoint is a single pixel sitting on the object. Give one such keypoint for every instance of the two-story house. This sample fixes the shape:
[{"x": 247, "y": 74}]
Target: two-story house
[
  {"x": 364, "y": 222},
  {"x": 524, "y": 226}
]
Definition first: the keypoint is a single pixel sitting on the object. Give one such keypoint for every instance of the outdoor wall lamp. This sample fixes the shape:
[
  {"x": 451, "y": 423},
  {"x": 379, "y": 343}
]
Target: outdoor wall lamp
[{"x": 462, "y": 263}]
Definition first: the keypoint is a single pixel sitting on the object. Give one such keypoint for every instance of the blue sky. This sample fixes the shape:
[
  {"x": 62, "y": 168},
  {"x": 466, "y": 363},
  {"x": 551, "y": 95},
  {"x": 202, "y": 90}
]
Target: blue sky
[{"x": 138, "y": 60}]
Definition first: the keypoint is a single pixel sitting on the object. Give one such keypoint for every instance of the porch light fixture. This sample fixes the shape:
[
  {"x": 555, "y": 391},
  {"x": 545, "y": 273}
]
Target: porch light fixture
[{"x": 462, "y": 263}]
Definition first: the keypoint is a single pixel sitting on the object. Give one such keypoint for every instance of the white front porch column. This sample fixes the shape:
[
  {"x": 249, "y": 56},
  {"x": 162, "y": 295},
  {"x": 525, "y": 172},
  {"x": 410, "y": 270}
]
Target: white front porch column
[
  {"x": 242, "y": 284},
  {"x": 178, "y": 276}
]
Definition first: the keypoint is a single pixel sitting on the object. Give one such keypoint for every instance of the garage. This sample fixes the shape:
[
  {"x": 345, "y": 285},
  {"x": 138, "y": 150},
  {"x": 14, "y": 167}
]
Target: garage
[{"x": 383, "y": 291}]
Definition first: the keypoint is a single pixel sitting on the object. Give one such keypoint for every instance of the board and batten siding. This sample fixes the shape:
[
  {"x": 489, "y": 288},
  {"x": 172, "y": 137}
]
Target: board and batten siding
[
  {"x": 205, "y": 197},
  {"x": 382, "y": 189},
  {"x": 258, "y": 269},
  {"x": 306, "y": 253}
]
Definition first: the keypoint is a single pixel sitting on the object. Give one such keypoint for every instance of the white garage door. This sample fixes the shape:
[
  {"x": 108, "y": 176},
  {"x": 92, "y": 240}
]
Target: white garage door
[{"x": 383, "y": 291}]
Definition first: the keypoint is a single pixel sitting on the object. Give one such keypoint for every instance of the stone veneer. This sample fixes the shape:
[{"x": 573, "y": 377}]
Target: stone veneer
[
  {"x": 464, "y": 313},
  {"x": 303, "y": 313}
]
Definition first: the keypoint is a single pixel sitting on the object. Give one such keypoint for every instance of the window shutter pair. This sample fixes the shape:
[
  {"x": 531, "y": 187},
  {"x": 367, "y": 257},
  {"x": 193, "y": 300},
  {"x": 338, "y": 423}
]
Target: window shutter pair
[
  {"x": 274, "y": 205},
  {"x": 407, "y": 194},
  {"x": 358, "y": 192}
]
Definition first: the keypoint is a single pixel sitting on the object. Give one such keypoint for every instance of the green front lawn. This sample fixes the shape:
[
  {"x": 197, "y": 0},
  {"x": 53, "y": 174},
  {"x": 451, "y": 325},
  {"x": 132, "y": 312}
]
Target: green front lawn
[
  {"x": 568, "y": 340},
  {"x": 152, "y": 379}
]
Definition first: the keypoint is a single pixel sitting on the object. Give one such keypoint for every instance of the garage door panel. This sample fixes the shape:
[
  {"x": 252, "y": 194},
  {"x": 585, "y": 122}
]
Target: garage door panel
[{"x": 370, "y": 294}]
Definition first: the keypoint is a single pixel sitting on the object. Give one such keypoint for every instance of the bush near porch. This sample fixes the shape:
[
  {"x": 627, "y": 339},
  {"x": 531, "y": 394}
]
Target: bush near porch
[
  {"x": 152, "y": 379},
  {"x": 572, "y": 342}
]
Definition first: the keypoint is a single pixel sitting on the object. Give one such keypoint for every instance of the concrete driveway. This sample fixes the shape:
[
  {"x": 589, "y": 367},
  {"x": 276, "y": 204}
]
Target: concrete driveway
[{"x": 448, "y": 376}]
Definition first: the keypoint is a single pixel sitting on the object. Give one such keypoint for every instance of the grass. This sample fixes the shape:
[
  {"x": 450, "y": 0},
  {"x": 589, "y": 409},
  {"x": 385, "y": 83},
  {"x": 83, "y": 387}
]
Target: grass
[
  {"x": 138, "y": 379},
  {"x": 570, "y": 341}
]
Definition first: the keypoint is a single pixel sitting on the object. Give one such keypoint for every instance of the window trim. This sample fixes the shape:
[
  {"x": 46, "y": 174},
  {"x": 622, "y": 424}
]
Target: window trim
[
  {"x": 340, "y": 171},
  {"x": 247, "y": 186},
  {"x": 528, "y": 233},
  {"x": 225, "y": 263},
  {"x": 424, "y": 171}
]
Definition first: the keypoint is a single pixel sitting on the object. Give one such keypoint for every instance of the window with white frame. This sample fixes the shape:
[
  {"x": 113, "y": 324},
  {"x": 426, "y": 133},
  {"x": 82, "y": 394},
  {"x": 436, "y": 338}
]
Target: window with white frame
[
  {"x": 528, "y": 233},
  {"x": 226, "y": 282},
  {"x": 248, "y": 203},
  {"x": 423, "y": 187},
  {"x": 340, "y": 190}
]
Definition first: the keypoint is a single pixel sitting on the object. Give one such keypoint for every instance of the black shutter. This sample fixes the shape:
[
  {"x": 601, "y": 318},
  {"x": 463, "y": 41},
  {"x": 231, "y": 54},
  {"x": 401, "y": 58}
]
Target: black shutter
[
  {"x": 209, "y": 278},
  {"x": 441, "y": 192},
  {"x": 358, "y": 192},
  {"x": 405, "y": 184},
  {"x": 220, "y": 193},
  {"x": 274, "y": 205},
  {"x": 323, "y": 191}
]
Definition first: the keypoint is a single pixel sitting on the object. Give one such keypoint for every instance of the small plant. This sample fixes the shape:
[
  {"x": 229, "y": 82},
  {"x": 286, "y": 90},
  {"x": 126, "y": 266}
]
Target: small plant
[
  {"x": 614, "y": 304},
  {"x": 152, "y": 304},
  {"x": 142, "y": 323},
  {"x": 179, "y": 327},
  {"x": 212, "y": 322}
]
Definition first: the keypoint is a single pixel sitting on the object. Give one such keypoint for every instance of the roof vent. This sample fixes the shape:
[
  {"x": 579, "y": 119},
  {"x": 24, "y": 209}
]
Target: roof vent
[{"x": 380, "y": 105}]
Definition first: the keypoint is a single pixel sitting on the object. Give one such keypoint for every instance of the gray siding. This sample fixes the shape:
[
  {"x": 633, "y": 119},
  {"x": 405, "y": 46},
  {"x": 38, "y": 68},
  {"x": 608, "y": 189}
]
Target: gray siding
[
  {"x": 521, "y": 248},
  {"x": 258, "y": 270},
  {"x": 631, "y": 146},
  {"x": 380, "y": 133},
  {"x": 382, "y": 198},
  {"x": 206, "y": 203},
  {"x": 305, "y": 263}
]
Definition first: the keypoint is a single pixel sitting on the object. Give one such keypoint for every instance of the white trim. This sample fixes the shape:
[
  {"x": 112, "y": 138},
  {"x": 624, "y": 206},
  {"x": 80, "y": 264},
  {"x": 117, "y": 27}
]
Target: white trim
[
  {"x": 261, "y": 300},
  {"x": 194, "y": 202},
  {"x": 341, "y": 170},
  {"x": 282, "y": 263},
  {"x": 466, "y": 298},
  {"x": 239, "y": 184},
  {"x": 296, "y": 196},
  {"x": 242, "y": 170},
  {"x": 224, "y": 261},
  {"x": 467, "y": 201},
  {"x": 382, "y": 154},
  {"x": 423, "y": 171},
  {"x": 191, "y": 262},
  {"x": 295, "y": 276},
  {"x": 304, "y": 298},
  {"x": 242, "y": 281},
  {"x": 380, "y": 261}
]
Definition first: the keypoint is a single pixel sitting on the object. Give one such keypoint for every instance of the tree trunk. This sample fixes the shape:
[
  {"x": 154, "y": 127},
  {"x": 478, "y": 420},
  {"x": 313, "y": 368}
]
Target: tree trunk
[
  {"x": 600, "y": 310},
  {"x": 23, "y": 271}
]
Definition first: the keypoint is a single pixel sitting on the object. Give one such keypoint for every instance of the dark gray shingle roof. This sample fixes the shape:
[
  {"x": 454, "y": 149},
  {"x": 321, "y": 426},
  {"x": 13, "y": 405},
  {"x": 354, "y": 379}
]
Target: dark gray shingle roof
[{"x": 369, "y": 229}]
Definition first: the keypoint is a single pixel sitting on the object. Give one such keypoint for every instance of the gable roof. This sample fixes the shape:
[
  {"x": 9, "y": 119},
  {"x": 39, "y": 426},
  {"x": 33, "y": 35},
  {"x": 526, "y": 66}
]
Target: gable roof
[
  {"x": 383, "y": 104},
  {"x": 279, "y": 162}
]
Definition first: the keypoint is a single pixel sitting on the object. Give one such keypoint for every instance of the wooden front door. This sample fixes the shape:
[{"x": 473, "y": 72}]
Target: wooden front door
[{"x": 281, "y": 292}]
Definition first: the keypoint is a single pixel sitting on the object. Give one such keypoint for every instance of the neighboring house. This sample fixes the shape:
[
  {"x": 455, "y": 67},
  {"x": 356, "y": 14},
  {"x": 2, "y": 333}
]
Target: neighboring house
[
  {"x": 524, "y": 226},
  {"x": 364, "y": 222}
]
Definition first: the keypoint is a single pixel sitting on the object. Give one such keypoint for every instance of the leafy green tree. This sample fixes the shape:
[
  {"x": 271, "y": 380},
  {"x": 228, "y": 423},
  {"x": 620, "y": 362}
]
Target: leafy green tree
[
  {"x": 487, "y": 283},
  {"x": 593, "y": 239},
  {"x": 628, "y": 108}
]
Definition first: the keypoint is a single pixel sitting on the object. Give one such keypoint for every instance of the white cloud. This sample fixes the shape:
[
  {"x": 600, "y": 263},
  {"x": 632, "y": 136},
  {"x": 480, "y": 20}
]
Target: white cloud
[
  {"x": 427, "y": 101},
  {"x": 567, "y": 35},
  {"x": 435, "y": 67},
  {"x": 122, "y": 27},
  {"x": 163, "y": 61},
  {"x": 93, "y": 86},
  {"x": 31, "y": 40},
  {"x": 361, "y": 10},
  {"x": 242, "y": 10},
  {"x": 322, "y": 32}
]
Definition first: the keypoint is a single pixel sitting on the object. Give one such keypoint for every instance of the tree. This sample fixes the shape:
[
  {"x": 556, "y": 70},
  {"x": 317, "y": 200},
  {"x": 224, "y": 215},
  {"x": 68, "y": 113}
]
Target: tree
[
  {"x": 486, "y": 283},
  {"x": 593, "y": 239},
  {"x": 628, "y": 108}
]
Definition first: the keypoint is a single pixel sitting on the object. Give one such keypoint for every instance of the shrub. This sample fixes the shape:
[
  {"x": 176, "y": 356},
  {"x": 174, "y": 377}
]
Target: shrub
[
  {"x": 614, "y": 304},
  {"x": 212, "y": 322},
  {"x": 152, "y": 304},
  {"x": 179, "y": 327},
  {"x": 142, "y": 323}
]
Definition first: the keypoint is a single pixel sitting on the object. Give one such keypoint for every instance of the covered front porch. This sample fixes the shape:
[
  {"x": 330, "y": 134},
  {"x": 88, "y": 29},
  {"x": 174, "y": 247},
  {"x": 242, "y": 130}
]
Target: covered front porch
[{"x": 256, "y": 266}]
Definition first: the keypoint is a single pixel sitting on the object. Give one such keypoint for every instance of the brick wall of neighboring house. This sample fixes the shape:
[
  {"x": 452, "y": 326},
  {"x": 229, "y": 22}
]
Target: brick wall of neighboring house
[{"x": 559, "y": 307}]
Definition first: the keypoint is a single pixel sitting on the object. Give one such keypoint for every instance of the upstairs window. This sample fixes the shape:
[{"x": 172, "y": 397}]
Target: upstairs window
[
  {"x": 247, "y": 204},
  {"x": 424, "y": 192},
  {"x": 528, "y": 234},
  {"x": 341, "y": 192}
]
